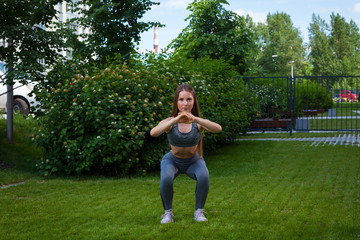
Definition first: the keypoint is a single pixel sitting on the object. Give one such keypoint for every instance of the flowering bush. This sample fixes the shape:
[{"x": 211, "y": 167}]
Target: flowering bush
[
  {"x": 222, "y": 97},
  {"x": 271, "y": 100},
  {"x": 99, "y": 122}
]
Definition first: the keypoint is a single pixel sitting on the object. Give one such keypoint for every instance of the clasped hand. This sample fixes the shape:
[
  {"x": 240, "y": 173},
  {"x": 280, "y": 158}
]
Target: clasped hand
[{"x": 185, "y": 117}]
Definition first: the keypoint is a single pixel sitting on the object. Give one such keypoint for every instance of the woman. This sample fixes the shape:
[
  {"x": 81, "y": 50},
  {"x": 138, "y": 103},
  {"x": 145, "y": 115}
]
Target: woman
[{"x": 184, "y": 129}]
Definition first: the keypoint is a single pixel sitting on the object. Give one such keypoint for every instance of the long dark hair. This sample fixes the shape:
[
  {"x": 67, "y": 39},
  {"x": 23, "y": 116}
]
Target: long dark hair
[
  {"x": 185, "y": 87},
  {"x": 194, "y": 111}
]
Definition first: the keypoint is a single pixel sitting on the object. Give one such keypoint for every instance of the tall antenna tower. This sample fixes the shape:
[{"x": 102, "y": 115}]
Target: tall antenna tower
[{"x": 156, "y": 43}]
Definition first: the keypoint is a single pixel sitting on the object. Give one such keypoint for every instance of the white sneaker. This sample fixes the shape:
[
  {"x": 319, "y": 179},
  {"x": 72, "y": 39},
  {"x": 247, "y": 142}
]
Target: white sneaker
[
  {"x": 168, "y": 217},
  {"x": 199, "y": 215}
]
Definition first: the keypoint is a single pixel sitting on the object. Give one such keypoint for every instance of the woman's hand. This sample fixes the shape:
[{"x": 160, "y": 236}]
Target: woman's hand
[{"x": 185, "y": 117}]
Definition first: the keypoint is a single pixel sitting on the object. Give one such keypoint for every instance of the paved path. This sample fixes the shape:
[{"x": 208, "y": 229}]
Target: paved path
[
  {"x": 340, "y": 139},
  {"x": 12, "y": 185},
  {"x": 341, "y": 117}
]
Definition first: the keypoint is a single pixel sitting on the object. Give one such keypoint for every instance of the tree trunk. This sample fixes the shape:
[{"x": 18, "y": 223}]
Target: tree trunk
[{"x": 10, "y": 114}]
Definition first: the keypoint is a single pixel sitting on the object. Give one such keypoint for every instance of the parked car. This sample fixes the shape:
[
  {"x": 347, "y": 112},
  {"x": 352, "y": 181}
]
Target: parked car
[
  {"x": 351, "y": 97},
  {"x": 22, "y": 99},
  {"x": 337, "y": 98}
]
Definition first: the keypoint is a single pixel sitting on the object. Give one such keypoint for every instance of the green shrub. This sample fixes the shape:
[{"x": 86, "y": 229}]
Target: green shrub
[
  {"x": 310, "y": 95},
  {"x": 99, "y": 122},
  {"x": 272, "y": 96},
  {"x": 271, "y": 100},
  {"x": 222, "y": 97}
]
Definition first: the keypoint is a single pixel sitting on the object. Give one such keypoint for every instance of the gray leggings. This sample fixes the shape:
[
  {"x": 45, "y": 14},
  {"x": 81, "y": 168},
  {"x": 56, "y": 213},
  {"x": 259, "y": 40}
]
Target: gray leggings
[{"x": 194, "y": 167}]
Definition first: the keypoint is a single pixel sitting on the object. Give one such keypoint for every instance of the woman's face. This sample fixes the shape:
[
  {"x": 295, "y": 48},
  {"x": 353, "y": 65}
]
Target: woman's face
[{"x": 185, "y": 101}]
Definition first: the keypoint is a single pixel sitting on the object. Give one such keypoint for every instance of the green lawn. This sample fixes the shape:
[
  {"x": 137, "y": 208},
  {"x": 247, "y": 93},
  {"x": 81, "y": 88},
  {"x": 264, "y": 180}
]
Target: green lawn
[
  {"x": 258, "y": 190},
  {"x": 17, "y": 153},
  {"x": 334, "y": 124},
  {"x": 346, "y": 109}
]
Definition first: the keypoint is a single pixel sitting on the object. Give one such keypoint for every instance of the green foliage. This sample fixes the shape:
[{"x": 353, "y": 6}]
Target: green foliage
[
  {"x": 105, "y": 119},
  {"x": 16, "y": 155},
  {"x": 222, "y": 97},
  {"x": 273, "y": 96},
  {"x": 281, "y": 43},
  {"x": 321, "y": 55},
  {"x": 217, "y": 33},
  {"x": 311, "y": 95},
  {"x": 114, "y": 27},
  {"x": 106, "y": 113},
  {"x": 22, "y": 25},
  {"x": 334, "y": 47}
]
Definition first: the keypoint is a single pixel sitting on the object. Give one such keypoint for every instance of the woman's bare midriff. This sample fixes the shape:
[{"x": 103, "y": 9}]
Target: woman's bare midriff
[{"x": 183, "y": 152}]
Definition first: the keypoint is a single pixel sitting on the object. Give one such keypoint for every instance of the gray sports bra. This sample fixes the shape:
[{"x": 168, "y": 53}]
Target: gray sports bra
[{"x": 179, "y": 139}]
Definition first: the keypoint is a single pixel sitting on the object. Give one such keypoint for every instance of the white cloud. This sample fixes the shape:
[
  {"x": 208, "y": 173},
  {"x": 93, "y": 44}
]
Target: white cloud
[
  {"x": 177, "y": 3},
  {"x": 327, "y": 10},
  {"x": 357, "y": 7},
  {"x": 256, "y": 16}
]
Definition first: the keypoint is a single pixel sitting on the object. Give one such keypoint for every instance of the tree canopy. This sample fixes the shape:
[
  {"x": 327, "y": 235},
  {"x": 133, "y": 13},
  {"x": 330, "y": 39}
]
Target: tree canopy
[
  {"x": 279, "y": 43},
  {"x": 22, "y": 26},
  {"x": 217, "y": 33},
  {"x": 114, "y": 27},
  {"x": 335, "y": 48}
]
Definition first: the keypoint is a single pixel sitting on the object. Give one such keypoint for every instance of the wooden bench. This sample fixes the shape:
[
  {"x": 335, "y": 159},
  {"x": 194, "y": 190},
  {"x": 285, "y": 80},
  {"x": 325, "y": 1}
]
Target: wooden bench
[
  {"x": 281, "y": 112},
  {"x": 271, "y": 123},
  {"x": 312, "y": 112}
]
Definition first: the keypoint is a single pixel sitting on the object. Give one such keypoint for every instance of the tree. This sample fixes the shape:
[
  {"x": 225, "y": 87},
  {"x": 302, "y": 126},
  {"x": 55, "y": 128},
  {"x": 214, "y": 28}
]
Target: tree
[
  {"x": 280, "y": 42},
  {"x": 335, "y": 48},
  {"x": 345, "y": 41},
  {"x": 217, "y": 33},
  {"x": 22, "y": 26},
  {"x": 321, "y": 56},
  {"x": 114, "y": 27}
]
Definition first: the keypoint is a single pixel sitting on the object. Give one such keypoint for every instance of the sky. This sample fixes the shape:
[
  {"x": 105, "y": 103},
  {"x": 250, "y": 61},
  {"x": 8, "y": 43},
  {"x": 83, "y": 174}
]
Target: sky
[{"x": 173, "y": 13}]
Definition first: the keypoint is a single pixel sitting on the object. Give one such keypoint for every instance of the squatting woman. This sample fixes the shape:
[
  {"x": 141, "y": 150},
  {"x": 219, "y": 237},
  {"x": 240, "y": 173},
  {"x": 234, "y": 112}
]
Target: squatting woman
[{"x": 184, "y": 130}]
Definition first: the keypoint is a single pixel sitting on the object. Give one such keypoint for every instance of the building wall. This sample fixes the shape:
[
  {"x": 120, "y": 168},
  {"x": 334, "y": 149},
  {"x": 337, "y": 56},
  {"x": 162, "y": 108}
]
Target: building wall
[{"x": 64, "y": 14}]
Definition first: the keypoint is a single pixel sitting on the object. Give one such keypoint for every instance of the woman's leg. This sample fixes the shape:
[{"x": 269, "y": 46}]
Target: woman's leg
[
  {"x": 168, "y": 174},
  {"x": 200, "y": 173}
]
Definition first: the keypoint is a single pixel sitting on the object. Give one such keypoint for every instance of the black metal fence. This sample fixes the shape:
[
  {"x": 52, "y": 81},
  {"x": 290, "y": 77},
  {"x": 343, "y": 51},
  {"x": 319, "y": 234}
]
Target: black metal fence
[{"x": 305, "y": 103}]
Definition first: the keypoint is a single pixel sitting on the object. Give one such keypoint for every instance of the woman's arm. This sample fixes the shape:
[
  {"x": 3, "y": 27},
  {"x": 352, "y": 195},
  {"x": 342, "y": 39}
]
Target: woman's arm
[
  {"x": 166, "y": 124},
  {"x": 204, "y": 123},
  {"x": 208, "y": 125},
  {"x": 163, "y": 126}
]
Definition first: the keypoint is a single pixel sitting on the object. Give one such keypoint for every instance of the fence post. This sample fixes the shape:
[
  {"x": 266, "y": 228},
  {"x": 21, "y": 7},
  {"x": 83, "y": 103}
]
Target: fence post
[{"x": 291, "y": 105}]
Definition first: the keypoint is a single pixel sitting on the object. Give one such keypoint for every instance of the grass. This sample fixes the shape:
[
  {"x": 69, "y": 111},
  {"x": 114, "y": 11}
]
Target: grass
[
  {"x": 342, "y": 110},
  {"x": 334, "y": 124},
  {"x": 346, "y": 109},
  {"x": 258, "y": 190},
  {"x": 17, "y": 153}
]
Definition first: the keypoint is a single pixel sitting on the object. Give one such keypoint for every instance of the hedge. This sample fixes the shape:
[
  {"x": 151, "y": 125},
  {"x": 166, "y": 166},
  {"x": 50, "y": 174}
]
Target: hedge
[{"x": 97, "y": 120}]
